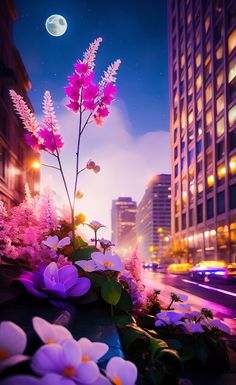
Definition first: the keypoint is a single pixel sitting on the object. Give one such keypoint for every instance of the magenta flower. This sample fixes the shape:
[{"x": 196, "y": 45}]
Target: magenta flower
[
  {"x": 51, "y": 140},
  {"x": 89, "y": 105},
  {"x": 74, "y": 106},
  {"x": 102, "y": 112},
  {"x": 110, "y": 89},
  {"x": 72, "y": 93},
  {"x": 81, "y": 68},
  {"x": 12, "y": 344},
  {"x": 63, "y": 282},
  {"x": 76, "y": 81},
  {"x": 90, "y": 92}
]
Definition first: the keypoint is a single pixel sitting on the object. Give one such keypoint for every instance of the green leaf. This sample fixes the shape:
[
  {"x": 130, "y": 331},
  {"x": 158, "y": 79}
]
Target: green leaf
[
  {"x": 111, "y": 292},
  {"x": 83, "y": 254},
  {"x": 97, "y": 278},
  {"x": 125, "y": 302},
  {"x": 202, "y": 351},
  {"x": 147, "y": 321},
  {"x": 171, "y": 358},
  {"x": 131, "y": 333},
  {"x": 187, "y": 352},
  {"x": 124, "y": 319},
  {"x": 156, "y": 376},
  {"x": 174, "y": 344},
  {"x": 156, "y": 345}
]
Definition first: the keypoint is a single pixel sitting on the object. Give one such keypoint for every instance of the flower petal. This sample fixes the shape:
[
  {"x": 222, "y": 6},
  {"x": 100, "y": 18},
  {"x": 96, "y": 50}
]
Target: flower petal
[
  {"x": 71, "y": 353},
  {"x": 113, "y": 366},
  {"x": 63, "y": 242},
  {"x": 126, "y": 371},
  {"x": 13, "y": 360},
  {"x": 68, "y": 276},
  {"x": 82, "y": 287},
  {"x": 50, "y": 275},
  {"x": 55, "y": 379},
  {"x": 49, "y": 333},
  {"x": 51, "y": 240},
  {"x": 87, "y": 265},
  {"x": 102, "y": 380},
  {"x": 48, "y": 359},
  {"x": 12, "y": 338},
  {"x": 21, "y": 380},
  {"x": 30, "y": 286},
  {"x": 87, "y": 372}
]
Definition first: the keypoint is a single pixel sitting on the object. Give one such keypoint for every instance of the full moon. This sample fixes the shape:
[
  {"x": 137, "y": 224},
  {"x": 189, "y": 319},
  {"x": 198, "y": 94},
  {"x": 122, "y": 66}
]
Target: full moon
[{"x": 56, "y": 25}]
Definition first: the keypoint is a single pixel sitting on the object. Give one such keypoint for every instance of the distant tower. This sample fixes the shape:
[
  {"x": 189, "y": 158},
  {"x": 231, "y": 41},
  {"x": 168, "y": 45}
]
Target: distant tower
[
  {"x": 123, "y": 221},
  {"x": 202, "y": 73},
  {"x": 153, "y": 221},
  {"x": 15, "y": 156}
]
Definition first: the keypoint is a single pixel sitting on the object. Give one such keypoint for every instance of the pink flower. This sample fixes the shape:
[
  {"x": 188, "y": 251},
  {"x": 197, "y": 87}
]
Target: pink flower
[
  {"x": 96, "y": 169},
  {"x": 90, "y": 53},
  {"x": 89, "y": 105},
  {"x": 102, "y": 112},
  {"x": 49, "y": 333},
  {"x": 26, "y": 115},
  {"x": 90, "y": 92},
  {"x": 33, "y": 142},
  {"x": 121, "y": 371},
  {"x": 51, "y": 140},
  {"x": 90, "y": 164},
  {"x": 110, "y": 89},
  {"x": 76, "y": 81},
  {"x": 74, "y": 106},
  {"x": 107, "y": 261},
  {"x": 81, "y": 68},
  {"x": 98, "y": 120},
  {"x": 72, "y": 93},
  {"x": 54, "y": 243}
]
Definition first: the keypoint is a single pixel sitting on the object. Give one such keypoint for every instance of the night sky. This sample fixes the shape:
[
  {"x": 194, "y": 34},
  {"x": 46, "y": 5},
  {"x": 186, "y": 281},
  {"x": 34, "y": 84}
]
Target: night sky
[{"x": 134, "y": 31}]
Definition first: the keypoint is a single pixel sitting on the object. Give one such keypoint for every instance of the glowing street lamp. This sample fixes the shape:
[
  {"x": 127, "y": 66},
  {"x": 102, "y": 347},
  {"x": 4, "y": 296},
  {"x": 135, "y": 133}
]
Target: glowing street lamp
[{"x": 36, "y": 165}]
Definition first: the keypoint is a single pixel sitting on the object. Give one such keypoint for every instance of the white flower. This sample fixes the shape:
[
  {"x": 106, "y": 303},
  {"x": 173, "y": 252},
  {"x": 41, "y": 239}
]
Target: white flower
[
  {"x": 121, "y": 372},
  {"x": 53, "y": 242},
  {"x": 12, "y": 344},
  {"x": 50, "y": 333},
  {"x": 92, "y": 351}
]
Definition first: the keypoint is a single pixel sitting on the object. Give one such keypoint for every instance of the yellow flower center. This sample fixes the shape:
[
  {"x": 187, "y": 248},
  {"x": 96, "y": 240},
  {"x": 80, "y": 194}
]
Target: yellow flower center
[
  {"x": 4, "y": 355},
  {"x": 69, "y": 371},
  {"x": 107, "y": 264},
  {"x": 50, "y": 341},
  {"x": 116, "y": 381},
  {"x": 54, "y": 246},
  {"x": 85, "y": 359}
]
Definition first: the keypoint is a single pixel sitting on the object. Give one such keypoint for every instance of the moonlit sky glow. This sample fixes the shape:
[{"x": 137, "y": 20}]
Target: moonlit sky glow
[{"x": 133, "y": 144}]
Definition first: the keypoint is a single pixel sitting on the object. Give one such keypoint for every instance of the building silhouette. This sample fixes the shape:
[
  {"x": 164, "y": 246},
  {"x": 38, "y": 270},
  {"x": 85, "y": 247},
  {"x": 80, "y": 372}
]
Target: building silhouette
[
  {"x": 123, "y": 217},
  {"x": 15, "y": 156},
  {"x": 153, "y": 221},
  {"x": 202, "y": 84}
]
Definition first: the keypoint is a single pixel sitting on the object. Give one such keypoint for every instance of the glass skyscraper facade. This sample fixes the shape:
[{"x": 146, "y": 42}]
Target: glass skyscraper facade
[{"x": 202, "y": 81}]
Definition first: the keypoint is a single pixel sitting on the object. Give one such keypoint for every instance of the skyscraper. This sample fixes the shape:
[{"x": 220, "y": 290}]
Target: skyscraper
[
  {"x": 154, "y": 218},
  {"x": 202, "y": 80},
  {"x": 15, "y": 156},
  {"x": 123, "y": 216}
]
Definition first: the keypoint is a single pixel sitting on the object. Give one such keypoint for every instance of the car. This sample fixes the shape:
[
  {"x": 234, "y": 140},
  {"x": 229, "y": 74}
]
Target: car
[
  {"x": 231, "y": 271},
  {"x": 179, "y": 268},
  {"x": 208, "y": 270}
]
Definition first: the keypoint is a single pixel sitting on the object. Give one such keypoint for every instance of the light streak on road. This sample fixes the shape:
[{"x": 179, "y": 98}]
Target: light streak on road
[{"x": 210, "y": 288}]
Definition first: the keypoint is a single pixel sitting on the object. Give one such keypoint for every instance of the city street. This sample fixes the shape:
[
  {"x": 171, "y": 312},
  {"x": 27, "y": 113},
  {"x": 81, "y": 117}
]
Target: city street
[{"x": 220, "y": 297}]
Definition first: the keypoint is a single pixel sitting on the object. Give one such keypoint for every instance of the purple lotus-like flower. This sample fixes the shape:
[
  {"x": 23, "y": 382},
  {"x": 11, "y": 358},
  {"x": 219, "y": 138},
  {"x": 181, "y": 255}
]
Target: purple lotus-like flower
[{"x": 61, "y": 282}]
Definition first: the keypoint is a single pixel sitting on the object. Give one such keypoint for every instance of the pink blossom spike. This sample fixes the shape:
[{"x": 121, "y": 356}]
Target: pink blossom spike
[
  {"x": 50, "y": 120},
  {"x": 26, "y": 115},
  {"x": 90, "y": 54},
  {"x": 110, "y": 74}
]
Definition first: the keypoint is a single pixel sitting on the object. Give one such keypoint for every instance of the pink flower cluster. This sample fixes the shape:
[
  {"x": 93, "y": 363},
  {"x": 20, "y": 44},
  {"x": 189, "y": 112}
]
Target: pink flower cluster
[
  {"x": 43, "y": 136},
  {"x": 84, "y": 93}
]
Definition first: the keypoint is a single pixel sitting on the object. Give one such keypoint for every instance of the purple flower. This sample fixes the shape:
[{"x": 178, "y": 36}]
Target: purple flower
[
  {"x": 121, "y": 372},
  {"x": 192, "y": 327},
  {"x": 63, "y": 282},
  {"x": 169, "y": 318}
]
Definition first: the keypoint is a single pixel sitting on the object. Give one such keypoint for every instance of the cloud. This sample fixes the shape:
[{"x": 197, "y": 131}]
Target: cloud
[{"x": 127, "y": 162}]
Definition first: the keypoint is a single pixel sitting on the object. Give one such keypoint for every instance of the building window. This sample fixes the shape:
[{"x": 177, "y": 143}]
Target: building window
[
  {"x": 184, "y": 221},
  {"x": 232, "y": 140},
  {"x": 176, "y": 170},
  {"x": 232, "y": 115},
  {"x": 210, "y": 208},
  {"x": 190, "y": 217},
  {"x": 207, "y": 24},
  {"x": 208, "y": 139},
  {"x": 219, "y": 55},
  {"x": 231, "y": 13},
  {"x": 210, "y": 180},
  {"x": 221, "y": 202},
  {"x": 2, "y": 162},
  {"x": 219, "y": 80},
  {"x": 190, "y": 117},
  {"x": 221, "y": 171},
  {"x": 232, "y": 70},
  {"x": 209, "y": 160},
  {"x": 208, "y": 93},
  {"x": 199, "y": 105},
  {"x": 199, "y": 167},
  {"x": 220, "y": 150},
  {"x": 190, "y": 156},
  {"x": 175, "y": 134},
  {"x": 208, "y": 67},
  {"x": 198, "y": 82},
  {"x": 218, "y": 32},
  {"x": 220, "y": 104},
  {"x": 198, "y": 60},
  {"x": 183, "y": 163},
  {"x": 190, "y": 94},
  {"x": 208, "y": 117},
  {"x": 176, "y": 152},
  {"x": 232, "y": 196},
  {"x": 197, "y": 38},
  {"x": 199, "y": 213},
  {"x": 232, "y": 91},
  {"x": 232, "y": 165},
  {"x": 220, "y": 127},
  {"x": 176, "y": 224},
  {"x": 232, "y": 41},
  {"x": 199, "y": 147}
]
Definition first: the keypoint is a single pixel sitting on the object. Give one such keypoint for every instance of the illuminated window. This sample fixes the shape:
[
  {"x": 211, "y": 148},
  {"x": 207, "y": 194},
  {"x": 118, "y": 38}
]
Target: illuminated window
[
  {"x": 220, "y": 127},
  {"x": 207, "y": 24},
  {"x": 190, "y": 73},
  {"x": 232, "y": 41},
  {"x": 221, "y": 171},
  {"x": 208, "y": 67},
  {"x": 208, "y": 117},
  {"x": 182, "y": 61},
  {"x": 208, "y": 93},
  {"x": 210, "y": 180},
  {"x": 200, "y": 188},
  {"x": 198, "y": 82},
  {"x": 190, "y": 117},
  {"x": 232, "y": 70},
  {"x": 199, "y": 105},
  {"x": 232, "y": 115},
  {"x": 219, "y": 53},
  {"x": 232, "y": 165},
  {"x": 208, "y": 47},
  {"x": 198, "y": 60},
  {"x": 209, "y": 160},
  {"x": 220, "y": 104},
  {"x": 219, "y": 80},
  {"x": 183, "y": 119}
]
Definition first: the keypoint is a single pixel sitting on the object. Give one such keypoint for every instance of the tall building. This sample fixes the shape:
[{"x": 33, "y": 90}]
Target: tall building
[
  {"x": 202, "y": 80},
  {"x": 153, "y": 221},
  {"x": 15, "y": 156},
  {"x": 123, "y": 217}
]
